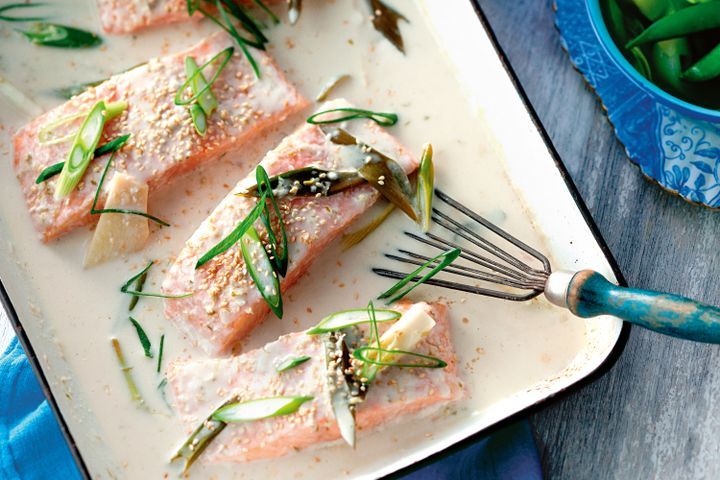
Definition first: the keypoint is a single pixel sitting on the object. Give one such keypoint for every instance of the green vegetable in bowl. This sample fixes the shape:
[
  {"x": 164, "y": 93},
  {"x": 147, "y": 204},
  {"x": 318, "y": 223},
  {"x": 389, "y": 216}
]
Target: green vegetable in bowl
[{"x": 673, "y": 43}]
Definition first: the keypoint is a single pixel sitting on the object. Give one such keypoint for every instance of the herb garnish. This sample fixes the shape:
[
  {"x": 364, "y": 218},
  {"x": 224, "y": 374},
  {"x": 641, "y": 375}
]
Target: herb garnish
[
  {"x": 429, "y": 361},
  {"x": 96, "y": 211},
  {"x": 291, "y": 363},
  {"x": 160, "y": 352},
  {"x": 381, "y": 118},
  {"x": 265, "y": 270},
  {"x": 309, "y": 182},
  {"x": 139, "y": 284},
  {"x": 134, "y": 392},
  {"x": 330, "y": 86},
  {"x": 234, "y": 411},
  {"x": 82, "y": 150},
  {"x": 227, "y": 8},
  {"x": 442, "y": 260},
  {"x": 385, "y": 20},
  {"x": 110, "y": 147},
  {"x": 142, "y": 336},
  {"x": 225, "y": 56},
  {"x": 11, "y": 6},
  {"x": 259, "y": 409},
  {"x": 48, "y": 136},
  {"x": 61, "y": 36},
  {"x": 126, "y": 287},
  {"x": 348, "y": 318},
  {"x": 425, "y": 187},
  {"x": 199, "y": 440}
]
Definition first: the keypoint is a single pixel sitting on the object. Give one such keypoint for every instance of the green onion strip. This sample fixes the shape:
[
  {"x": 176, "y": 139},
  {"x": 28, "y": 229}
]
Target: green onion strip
[
  {"x": 126, "y": 286},
  {"x": 381, "y": 118}
]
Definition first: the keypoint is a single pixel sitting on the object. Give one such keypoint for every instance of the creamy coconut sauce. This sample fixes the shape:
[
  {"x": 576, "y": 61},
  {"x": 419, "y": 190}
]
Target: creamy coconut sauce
[{"x": 71, "y": 313}]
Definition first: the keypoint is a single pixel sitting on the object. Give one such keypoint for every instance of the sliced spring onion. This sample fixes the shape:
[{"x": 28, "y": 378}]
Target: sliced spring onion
[
  {"x": 139, "y": 284},
  {"x": 348, "y": 318},
  {"x": 199, "y": 440},
  {"x": 81, "y": 151},
  {"x": 207, "y": 101},
  {"x": 11, "y": 6},
  {"x": 126, "y": 286},
  {"x": 240, "y": 40},
  {"x": 423, "y": 361},
  {"x": 142, "y": 336},
  {"x": 48, "y": 133},
  {"x": 267, "y": 10},
  {"x": 309, "y": 181},
  {"x": 199, "y": 119},
  {"x": 385, "y": 20},
  {"x": 224, "y": 57},
  {"x": 259, "y": 409},
  {"x": 425, "y": 187},
  {"x": 96, "y": 211},
  {"x": 330, "y": 86},
  {"x": 351, "y": 239},
  {"x": 381, "y": 118},
  {"x": 294, "y": 9},
  {"x": 61, "y": 36},
  {"x": 235, "y": 235},
  {"x": 246, "y": 19},
  {"x": 132, "y": 386},
  {"x": 396, "y": 292},
  {"x": 110, "y": 147},
  {"x": 160, "y": 352},
  {"x": 260, "y": 268},
  {"x": 291, "y": 363},
  {"x": 278, "y": 256}
]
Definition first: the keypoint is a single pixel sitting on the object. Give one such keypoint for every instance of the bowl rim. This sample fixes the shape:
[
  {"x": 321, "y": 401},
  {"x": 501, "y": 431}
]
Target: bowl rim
[{"x": 598, "y": 24}]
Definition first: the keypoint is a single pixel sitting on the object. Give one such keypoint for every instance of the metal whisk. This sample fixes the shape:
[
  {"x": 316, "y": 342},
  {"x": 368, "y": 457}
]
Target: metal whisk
[{"x": 500, "y": 265}]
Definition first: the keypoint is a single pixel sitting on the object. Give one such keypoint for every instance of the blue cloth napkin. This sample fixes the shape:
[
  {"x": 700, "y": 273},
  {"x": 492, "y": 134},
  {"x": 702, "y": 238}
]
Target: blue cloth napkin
[{"x": 32, "y": 447}]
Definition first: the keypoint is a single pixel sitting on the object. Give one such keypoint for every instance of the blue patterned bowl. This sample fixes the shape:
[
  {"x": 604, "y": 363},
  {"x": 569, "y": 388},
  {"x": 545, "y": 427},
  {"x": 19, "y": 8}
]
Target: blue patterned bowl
[
  {"x": 674, "y": 143},
  {"x": 598, "y": 23}
]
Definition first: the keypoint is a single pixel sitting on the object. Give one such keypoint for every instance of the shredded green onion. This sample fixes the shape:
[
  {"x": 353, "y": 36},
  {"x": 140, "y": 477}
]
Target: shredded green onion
[
  {"x": 261, "y": 271},
  {"x": 160, "y": 352},
  {"x": 291, "y": 363},
  {"x": 430, "y": 361},
  {"x": 259, "y": 409},
  {"x": 96, "y": 211},
  {"x": 126, "y": 286},
  {"x": 225, "y": 55},
  {"x": 425, "y": 187},
  {"x": 279, "y": 257},
  {"x": 234, "y": 236},
  {"x": 132, "y": 386},
  {"x": 348, "y": 318},
  {"x": 381, "y": 118},
  {"x": 110, "y": 147},
  {"x": 139, "y": 284},
  {"x": 12, "y": 6},
  {"x": 444, "y": 259},
  {"x": 142, "y": 336},
  {"x": 81, "y": 151},
  {"x": 199, "y": 440}
]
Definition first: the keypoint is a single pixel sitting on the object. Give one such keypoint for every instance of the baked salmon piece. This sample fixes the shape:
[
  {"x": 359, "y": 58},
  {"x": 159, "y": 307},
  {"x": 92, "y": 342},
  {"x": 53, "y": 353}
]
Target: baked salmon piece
[
  {"x": 226, "y": 304},
  {"x": 164, "y": 143},
  {"x": 197, "y": 388},
  {"x": 126, "y": 16}
]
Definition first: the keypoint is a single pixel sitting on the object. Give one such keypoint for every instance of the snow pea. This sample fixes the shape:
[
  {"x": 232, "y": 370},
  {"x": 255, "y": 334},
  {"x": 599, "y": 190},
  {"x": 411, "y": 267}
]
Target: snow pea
[
  {"x": 698, "y": 18},
  {"x": 706, "y": 68}
]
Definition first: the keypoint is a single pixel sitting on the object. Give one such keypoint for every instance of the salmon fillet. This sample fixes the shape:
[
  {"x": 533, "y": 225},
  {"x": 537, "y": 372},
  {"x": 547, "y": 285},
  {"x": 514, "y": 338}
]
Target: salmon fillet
[
  {"x": 164, "y": 143},
  {"x": 199, "y": 387},
  {"x": 126, "y": 16},
  {"x": 226, "y": 304}
]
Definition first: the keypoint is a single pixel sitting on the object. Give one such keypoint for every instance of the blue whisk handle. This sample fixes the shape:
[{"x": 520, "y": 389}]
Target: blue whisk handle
[{"x": 589, "y": 294}]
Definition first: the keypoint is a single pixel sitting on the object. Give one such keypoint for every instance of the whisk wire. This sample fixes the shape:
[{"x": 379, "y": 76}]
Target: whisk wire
[{"x": 522, "y": 281}]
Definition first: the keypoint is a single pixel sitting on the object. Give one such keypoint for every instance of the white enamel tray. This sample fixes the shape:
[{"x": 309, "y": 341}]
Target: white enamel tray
[{"x": 511, "y": 356}]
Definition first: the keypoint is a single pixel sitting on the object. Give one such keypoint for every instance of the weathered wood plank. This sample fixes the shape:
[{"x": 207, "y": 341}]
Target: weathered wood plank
[{"x": 656, "y": 413}]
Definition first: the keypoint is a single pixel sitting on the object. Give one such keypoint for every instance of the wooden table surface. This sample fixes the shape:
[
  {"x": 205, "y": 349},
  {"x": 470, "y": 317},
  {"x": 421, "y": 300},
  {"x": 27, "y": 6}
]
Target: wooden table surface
[{"x": 656, "y": 412}]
